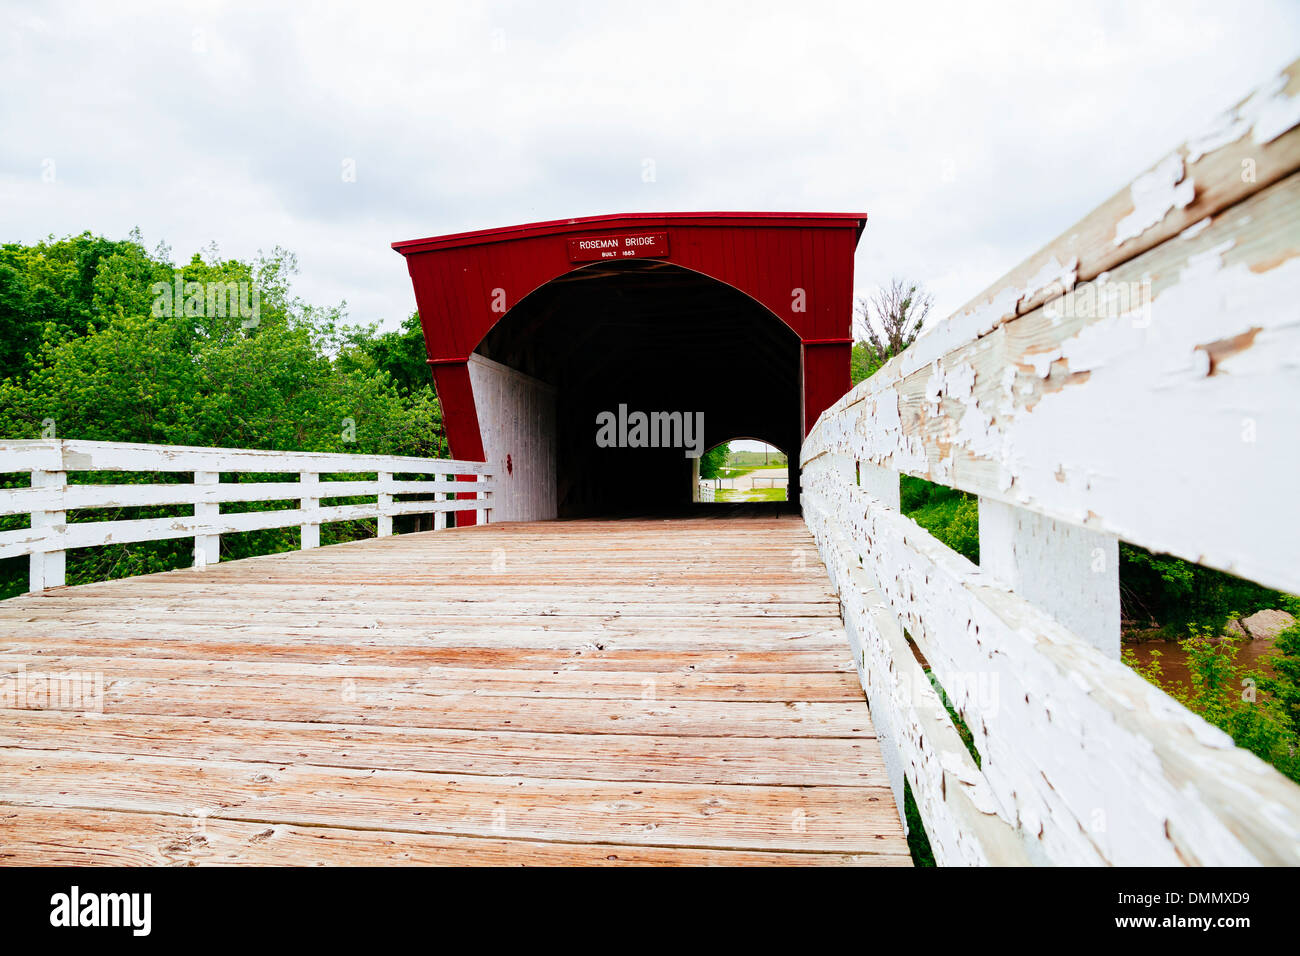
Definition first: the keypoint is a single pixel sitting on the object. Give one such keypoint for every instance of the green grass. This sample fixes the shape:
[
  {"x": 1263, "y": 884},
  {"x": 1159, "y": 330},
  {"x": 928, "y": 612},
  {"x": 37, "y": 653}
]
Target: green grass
[
  {"x": 735, "y": 471},
  {"x": 756, "y": 494},
  {"x": 918, "y": 843}
]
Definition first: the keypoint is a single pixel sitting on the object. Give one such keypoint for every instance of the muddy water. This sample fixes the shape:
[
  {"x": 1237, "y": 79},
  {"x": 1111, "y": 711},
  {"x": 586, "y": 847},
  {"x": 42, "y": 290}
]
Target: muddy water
[{"x": 1251, "y": 655}]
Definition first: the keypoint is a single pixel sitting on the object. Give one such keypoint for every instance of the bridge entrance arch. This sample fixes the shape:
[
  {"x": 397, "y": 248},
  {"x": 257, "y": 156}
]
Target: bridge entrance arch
[{"x": 587, "y": 360}]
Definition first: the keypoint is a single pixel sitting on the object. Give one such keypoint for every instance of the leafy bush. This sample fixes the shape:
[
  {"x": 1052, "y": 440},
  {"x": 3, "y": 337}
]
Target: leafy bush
[
  {"x": 950, "y": 515},
  {"x": 1259, "y": 712}
]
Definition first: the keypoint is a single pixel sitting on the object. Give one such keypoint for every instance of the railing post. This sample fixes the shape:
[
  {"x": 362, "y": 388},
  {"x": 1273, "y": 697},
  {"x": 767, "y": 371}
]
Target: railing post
[
  {"x": 385, "y": 503},
  {"x": 1067, "y": 571},
  {"x": 481, "y": 513},
  {"x": 47, "y": 567},
  {"x": 309, "y": 502},
  {"x": 207, "y": 547},
  {"x": 440, "y": 517}
]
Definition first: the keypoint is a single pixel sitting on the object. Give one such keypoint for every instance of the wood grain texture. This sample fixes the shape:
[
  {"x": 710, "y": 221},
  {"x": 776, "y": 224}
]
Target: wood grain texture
[{"x": 642, "y": 692}]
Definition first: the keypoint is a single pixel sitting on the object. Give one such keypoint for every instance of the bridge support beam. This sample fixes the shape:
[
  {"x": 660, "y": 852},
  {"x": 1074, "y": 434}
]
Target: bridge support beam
[{"x": 1069, "y": 572}]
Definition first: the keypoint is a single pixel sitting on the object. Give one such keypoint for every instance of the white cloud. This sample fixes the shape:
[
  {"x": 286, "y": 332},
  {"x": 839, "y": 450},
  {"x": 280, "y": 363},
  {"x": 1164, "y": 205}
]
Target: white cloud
[{"x": 971, "y": 137}]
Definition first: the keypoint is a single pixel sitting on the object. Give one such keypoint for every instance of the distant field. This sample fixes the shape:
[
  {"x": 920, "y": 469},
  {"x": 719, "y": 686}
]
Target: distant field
[
  {"x": 754, "y": 459},
  {"x": 754, "y": 494}
]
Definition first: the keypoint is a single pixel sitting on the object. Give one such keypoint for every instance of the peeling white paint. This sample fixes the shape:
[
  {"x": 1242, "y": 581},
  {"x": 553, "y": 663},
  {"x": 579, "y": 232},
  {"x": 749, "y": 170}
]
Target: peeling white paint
[
  {"x": 1137, "y": 438},
  {"x": 1053, "y": 276},
  {"x": 1072, "y": 731},
  {"x": 961, "y": 381},
  {"x": 1155, "y": 194},
  {"x": 935, "y": 386},
  {"x": 1042, "y": 361},
  {"x": 1195, "y": 440},
  {"x": 1205, "y": 264},
  {"x": 1266, "y": 115}
]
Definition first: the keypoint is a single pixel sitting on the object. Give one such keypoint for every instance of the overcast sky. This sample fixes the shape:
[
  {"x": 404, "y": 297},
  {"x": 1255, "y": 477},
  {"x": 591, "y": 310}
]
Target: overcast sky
[{"x": 969, "y": 135}]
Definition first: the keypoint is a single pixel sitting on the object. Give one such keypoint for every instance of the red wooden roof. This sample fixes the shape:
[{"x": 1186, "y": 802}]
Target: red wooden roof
[{"x": 638, "y": 220}]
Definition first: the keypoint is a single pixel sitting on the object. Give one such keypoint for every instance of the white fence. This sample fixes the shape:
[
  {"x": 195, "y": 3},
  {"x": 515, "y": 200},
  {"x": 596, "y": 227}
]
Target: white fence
[
  {"x": 706, "y": 491},
  {"x": 1134, "y": 380},
  {"x": 50, "y": 496}
]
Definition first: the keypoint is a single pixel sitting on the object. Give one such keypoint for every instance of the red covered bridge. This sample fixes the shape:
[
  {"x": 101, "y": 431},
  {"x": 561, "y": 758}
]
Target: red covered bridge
[
  {"x": 534, "y": 330},
  {"x": 696, "y": 690}
]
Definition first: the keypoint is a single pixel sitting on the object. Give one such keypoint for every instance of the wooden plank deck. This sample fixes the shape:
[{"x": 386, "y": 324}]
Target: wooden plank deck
[{"x": 641, "y": 691}]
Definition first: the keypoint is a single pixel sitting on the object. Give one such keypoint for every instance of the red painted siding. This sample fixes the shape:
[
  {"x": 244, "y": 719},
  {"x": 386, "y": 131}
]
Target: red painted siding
[{"x": 465, "y": 283}]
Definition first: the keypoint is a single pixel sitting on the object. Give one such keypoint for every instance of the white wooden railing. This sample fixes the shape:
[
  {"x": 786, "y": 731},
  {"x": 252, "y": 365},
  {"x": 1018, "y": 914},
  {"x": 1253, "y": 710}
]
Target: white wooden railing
[
  {"x": 707, "y": 492},
  {"x": 1137, "y": 379},
  {"x": 50, "y": 496}
]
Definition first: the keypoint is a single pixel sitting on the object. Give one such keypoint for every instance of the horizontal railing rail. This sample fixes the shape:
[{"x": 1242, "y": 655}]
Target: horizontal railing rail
[
  {"x": 1135, "y": 380},
  {"x": 457, "y": 486}
]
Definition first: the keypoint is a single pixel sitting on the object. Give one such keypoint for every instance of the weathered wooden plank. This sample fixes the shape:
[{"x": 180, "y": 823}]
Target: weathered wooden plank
[
  {"x": 579, "y": 653},
  {"x": 415, "y": 613},
  {"x": 362, "y": 702},
  {"x": 20, "y": 500},
  {"x": 918, "y": 739},
  {"x": 123, "y": 456},
  {"x": 769, "y": 761},
  {"x": 583, "y": 811},
  {"x": 18, "y": 455},
  {"x": 457, "y": 681},
  {"x": 549, "y": 632},
  {"x": 492, "y": 590},
  {"x": 92, "y": 534},
  {"x": 63, "y": 455},
  {"x": 41, "y": 836},
  {"x": 1126, "y": 423},
  {"x": 1089, "y": 761}
]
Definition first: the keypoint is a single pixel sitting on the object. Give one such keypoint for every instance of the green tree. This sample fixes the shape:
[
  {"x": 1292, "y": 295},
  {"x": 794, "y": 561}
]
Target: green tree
[
  {"x": 887, "y": 323},
  {"x": 401, "y": 353},
  {"x": 1175, "y": 594},
  {"x": 104, "y": 358},
  {"x": 713, "y": 461}
]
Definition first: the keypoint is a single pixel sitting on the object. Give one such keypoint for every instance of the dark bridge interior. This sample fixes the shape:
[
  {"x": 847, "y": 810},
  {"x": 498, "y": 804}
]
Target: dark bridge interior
[{"x": 655, "y": 337}]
